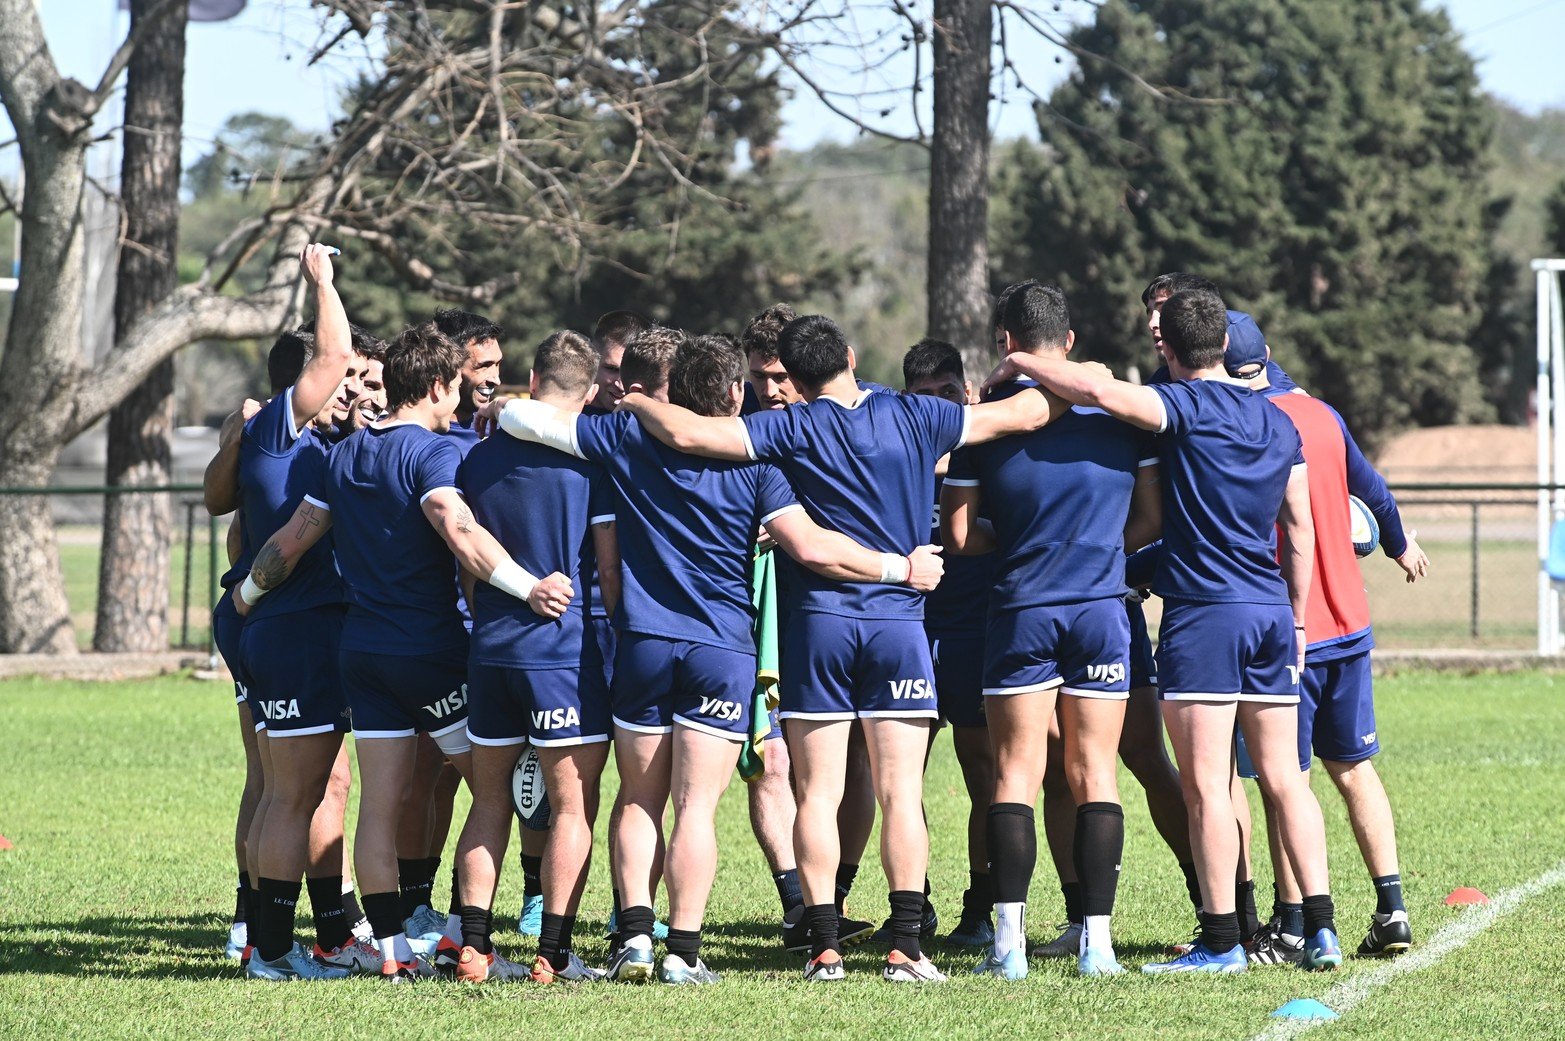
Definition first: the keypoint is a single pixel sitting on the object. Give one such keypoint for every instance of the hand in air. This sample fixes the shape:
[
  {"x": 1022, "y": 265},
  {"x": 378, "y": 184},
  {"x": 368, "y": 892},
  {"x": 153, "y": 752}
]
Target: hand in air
[{"x": 316, "y": 261}]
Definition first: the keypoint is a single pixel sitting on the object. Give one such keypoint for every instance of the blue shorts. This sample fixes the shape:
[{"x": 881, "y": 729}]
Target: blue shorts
[
  {"x": 959, "y": 677},
  {"x": 399, "y": 695},
  {"x": 551, "y": 707},
  {"x": 1080, "y": 648},
  {"x": 1337, "y": 711},
  {"x": 659, "y": 682},
  {"x": 1227, "y": 652},
  {"x": 226, "y": 627},
  {"x": 290, "y": 661},
  {"x": 607, "y": 638},
  {"x": 1143, "y": 663},
  {"x": 836, "y": 667}
]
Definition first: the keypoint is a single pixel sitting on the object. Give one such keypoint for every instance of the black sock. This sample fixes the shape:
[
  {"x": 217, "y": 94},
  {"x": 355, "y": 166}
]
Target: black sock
[
  {"x": 1388, "y": 894},
  {"x": 1244, "y": 902},
  {"x": 532, "y": 877},
  {"x": 846, "y": 873},
  {"x": 1192, "y": 885},
  {"x": 1291, "y": 919},
  {"x": 411, "y": 893},
  {"x": 272, "y": 928},
  {"x": 477, "y": 925},
  {"x": 384, "y": 911},
  {"x": 788, "y": 889},
  {"x": 352, "y": 913},
  {"x": 252, "y": 908},
  {"x": 332, "y": 928},
  {"x": 1276, "y": 904},
  {"x": 1071, "y": 891},
  {"x": 1219, "y": 932},
  {"x": 686, "y": 943},
  {"x": 979, "y": 896},
  {"x": 1319, "y": 914},
  {"x": 551, "y": 939},
  {"x": 822, "y": 922},
  {"x": 907, "y": 913},
  {"x": 636, "y": 921},
  {"x": 1100, "y": 839},
  {"x": 456, "y": 892},
  {"x": 239, "y": 897},
  {"x": 1013, "y": 850}
]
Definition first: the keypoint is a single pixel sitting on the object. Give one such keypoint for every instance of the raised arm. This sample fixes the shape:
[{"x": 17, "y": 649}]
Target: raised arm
[
  {"x": 717, "y": 437},
  {"x": 833, "y": 555},
  {"x": 961, "y": 529},
  {"x": 480, "y": 553},
  {"x": 275, "y": 561},
  {"x": 323, "y": 373},
  {"x": 1298, "y": 548},
  {"x": 1086, "y": 384},
  {"x": 1144, "y": 526}
]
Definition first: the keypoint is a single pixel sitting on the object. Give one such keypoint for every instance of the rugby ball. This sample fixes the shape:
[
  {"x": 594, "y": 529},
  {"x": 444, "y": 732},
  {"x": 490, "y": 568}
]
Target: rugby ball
[
  {"x": 1366, "y": 531},
  {"x": 528, "y": 795}
]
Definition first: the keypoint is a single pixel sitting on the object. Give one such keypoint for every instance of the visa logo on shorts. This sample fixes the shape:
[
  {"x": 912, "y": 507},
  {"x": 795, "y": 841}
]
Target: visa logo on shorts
[
  {"x": 280, "y": 709},
  {"x": 449, "y": 705},
  {"x": 1368, "y": 739},
  {"x": 720, "y": 709},
  {"x": 901, "y": 689},
  {"x": 555, "y": 718},
  {"x": 1113, "y": 672}
]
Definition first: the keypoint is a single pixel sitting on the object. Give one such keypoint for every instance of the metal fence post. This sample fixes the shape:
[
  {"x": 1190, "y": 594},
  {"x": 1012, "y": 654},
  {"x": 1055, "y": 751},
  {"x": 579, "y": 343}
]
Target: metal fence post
[{"x": 1477, "y": 556}]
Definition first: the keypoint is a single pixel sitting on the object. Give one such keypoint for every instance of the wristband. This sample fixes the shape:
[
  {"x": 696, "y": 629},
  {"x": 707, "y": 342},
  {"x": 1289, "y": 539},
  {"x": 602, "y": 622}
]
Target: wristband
[
  {"x": 249, "y": 592},
  {"x": 895, "y": 568},
  {"x": 510, "y": 577}
]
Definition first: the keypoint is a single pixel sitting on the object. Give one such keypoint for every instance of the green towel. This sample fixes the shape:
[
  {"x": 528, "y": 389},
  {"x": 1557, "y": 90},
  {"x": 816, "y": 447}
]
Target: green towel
[{"x": 763, "y": 596}]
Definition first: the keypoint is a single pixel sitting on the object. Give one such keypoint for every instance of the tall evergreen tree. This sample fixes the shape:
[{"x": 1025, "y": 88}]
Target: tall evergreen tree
[{"x": 1316, "y": 157}]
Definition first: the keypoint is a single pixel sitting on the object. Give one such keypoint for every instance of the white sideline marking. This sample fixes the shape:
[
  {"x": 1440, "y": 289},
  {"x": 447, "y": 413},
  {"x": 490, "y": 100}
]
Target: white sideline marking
[{"x": 1351, "y": 992}]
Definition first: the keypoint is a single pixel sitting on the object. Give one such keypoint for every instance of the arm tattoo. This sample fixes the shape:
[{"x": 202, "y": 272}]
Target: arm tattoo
[
  {"x": 309, "y": 517},
  {"x": 464, "y": 518},
  {"x": 270, "y": 568}
]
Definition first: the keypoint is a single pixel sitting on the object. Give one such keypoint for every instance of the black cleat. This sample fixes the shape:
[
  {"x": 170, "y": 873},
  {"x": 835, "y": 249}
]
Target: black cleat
[
  {"x": 1272, "y": 946},
  {"x": 1389, "y": 936}
]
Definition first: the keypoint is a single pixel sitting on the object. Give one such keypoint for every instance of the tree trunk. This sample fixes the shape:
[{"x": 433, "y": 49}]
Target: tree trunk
[
  {"x": 959, "y": 300},
  {"x": 133, "y": 591}
]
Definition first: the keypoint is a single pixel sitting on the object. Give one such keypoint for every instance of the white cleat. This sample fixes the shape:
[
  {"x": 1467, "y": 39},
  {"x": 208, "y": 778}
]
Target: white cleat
[
  {"x": 358, "y": 958},
  {"x": 902, "y": 969},
  {"x": 297, "y": 964}
]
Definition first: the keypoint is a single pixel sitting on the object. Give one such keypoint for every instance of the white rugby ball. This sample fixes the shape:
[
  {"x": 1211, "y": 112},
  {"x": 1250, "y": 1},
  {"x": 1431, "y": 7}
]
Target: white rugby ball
[
  {"x": 528, "y": 794},
  {"x": 1366, "y": 530}
]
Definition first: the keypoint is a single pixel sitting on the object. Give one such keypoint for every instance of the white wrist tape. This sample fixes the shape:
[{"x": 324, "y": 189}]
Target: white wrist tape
[
  {"x": 529, "y": 420},
  {"x": 510, "y": 577},
  {"x": 249, "y": 592},
  {"x": 894, "y": 567}
]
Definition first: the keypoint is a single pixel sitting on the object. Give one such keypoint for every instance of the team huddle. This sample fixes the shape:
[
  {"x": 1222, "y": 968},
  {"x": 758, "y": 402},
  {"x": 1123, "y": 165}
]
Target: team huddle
[{"x": 709, "y": 552}]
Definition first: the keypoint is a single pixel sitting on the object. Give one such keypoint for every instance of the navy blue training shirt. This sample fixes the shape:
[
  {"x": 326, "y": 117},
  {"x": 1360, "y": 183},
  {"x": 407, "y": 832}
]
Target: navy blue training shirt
[{"x": 960, "y": 603}]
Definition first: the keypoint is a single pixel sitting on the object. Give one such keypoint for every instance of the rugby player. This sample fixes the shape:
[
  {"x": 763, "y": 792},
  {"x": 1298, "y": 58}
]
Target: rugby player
[
  {"x": 954, "y": 622},
  {"x": 686, "y": 666},
  {"x": 863, "y": 464},
  {"x": 1231, "y": 639},
  {"x": 403, "y": 663},
  {"x": 1336, "y": 706},
  {"x": 532, "y": 675},
  {"x": 1066, "y": 502}
]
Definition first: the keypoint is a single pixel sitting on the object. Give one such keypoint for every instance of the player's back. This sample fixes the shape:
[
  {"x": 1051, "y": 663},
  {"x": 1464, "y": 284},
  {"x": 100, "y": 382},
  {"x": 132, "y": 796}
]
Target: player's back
[
  {"x": 687, "y": 529},
  {"x": 278, "y": 466},
  {"x": 866, "y": 469},
  {"x": 1058, "y": 498},
  {"x": 1338, "y": 609},
  {"x": 538, "y": 504},
  {"x": 1226, "y": 456},
  {"x": 397, "y": 567}
]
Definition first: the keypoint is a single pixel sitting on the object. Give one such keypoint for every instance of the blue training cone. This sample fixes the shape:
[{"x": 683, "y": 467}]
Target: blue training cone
[{"x": 1305, "y": 1008}]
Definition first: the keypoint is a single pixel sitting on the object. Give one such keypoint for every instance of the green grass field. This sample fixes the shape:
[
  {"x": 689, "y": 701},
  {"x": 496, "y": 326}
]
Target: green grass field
[{"x": 114, "y": 901}]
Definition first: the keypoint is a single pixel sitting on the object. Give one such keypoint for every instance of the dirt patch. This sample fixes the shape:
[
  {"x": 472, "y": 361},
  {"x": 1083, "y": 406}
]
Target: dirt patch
[{"x": 1481, "y": 454}]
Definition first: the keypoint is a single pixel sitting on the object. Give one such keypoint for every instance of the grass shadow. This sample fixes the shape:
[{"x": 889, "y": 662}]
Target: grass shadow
[{"x": 177, "y": 947}]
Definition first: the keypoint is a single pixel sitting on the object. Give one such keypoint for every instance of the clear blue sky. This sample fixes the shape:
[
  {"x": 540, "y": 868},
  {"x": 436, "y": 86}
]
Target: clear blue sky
[{"x": 256, "y": 62}]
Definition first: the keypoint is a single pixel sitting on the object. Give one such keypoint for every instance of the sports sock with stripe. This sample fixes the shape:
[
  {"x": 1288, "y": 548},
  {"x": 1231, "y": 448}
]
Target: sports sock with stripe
[
  {"x": 272, "y": 930},
  {"x": 788, "y": 889},
  {"x": 1388, "y": 894},
  {"x": 907, "y": 914},
  {"x": 1013, "y": 851},
  {"x": 477, "y": 925},
  {"x": 1291, "y": 920},
  {"x": 332, "y": 928},
  {"x": 1319, "y": 914},
  {"x": 822, "y": 922},
  {"x": 686, "y": 943}
]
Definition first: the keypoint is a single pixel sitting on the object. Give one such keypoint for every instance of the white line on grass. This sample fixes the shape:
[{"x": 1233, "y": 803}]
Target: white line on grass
[{"x": 1352, "y": 991}]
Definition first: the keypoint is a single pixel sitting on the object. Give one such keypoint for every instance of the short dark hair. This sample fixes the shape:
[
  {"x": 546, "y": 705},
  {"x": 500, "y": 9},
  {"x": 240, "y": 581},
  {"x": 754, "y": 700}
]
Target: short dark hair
[
  {"x": 1177, "y": 282},
  {"x": 648, "y": 356},
  {"x": 418, "y": 359},
  {"x": 619, "y": 327},
  {"x": 1037, "y": 316},
  {"x": 760, "y": 335},
  {"x": 366, "y": 344},
  {"x": 703, "y": 373},
  {"x": 463, "y": 327},
  {"x": 1193, "y": 326},
  {"x": 289, "y": 355},
  {"x": 929, "y": 359},
  {"x": 813, "y": 350},
  {"x": 566, "y": 362},
  {"x": 1005, "y": 298}
]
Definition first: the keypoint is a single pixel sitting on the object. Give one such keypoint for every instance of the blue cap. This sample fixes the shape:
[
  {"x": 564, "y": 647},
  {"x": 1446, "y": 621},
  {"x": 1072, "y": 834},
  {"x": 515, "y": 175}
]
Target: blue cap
[{"x": 1246, "y": 345}]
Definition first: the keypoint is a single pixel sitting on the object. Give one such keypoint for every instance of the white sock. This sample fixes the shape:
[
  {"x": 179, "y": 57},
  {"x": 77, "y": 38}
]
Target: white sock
[
  {"x": 454, "y": 928},
  {"x": 239, "y": 934},
  {"x": 395, "y": 948},
  {"x": 1095, "y": 935},
  {"x": 641, "y": 941},
  {"x": 1010, "y": 928}
]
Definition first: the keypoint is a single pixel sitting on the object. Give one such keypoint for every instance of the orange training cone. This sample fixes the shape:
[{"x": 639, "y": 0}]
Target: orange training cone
[
  {"x": 5, "y": 843},
  {"x": 1465, "y": 895}
]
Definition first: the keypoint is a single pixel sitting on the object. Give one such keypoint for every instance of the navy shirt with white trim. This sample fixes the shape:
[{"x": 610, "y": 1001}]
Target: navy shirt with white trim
[{"x": 865, "y": 468}]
